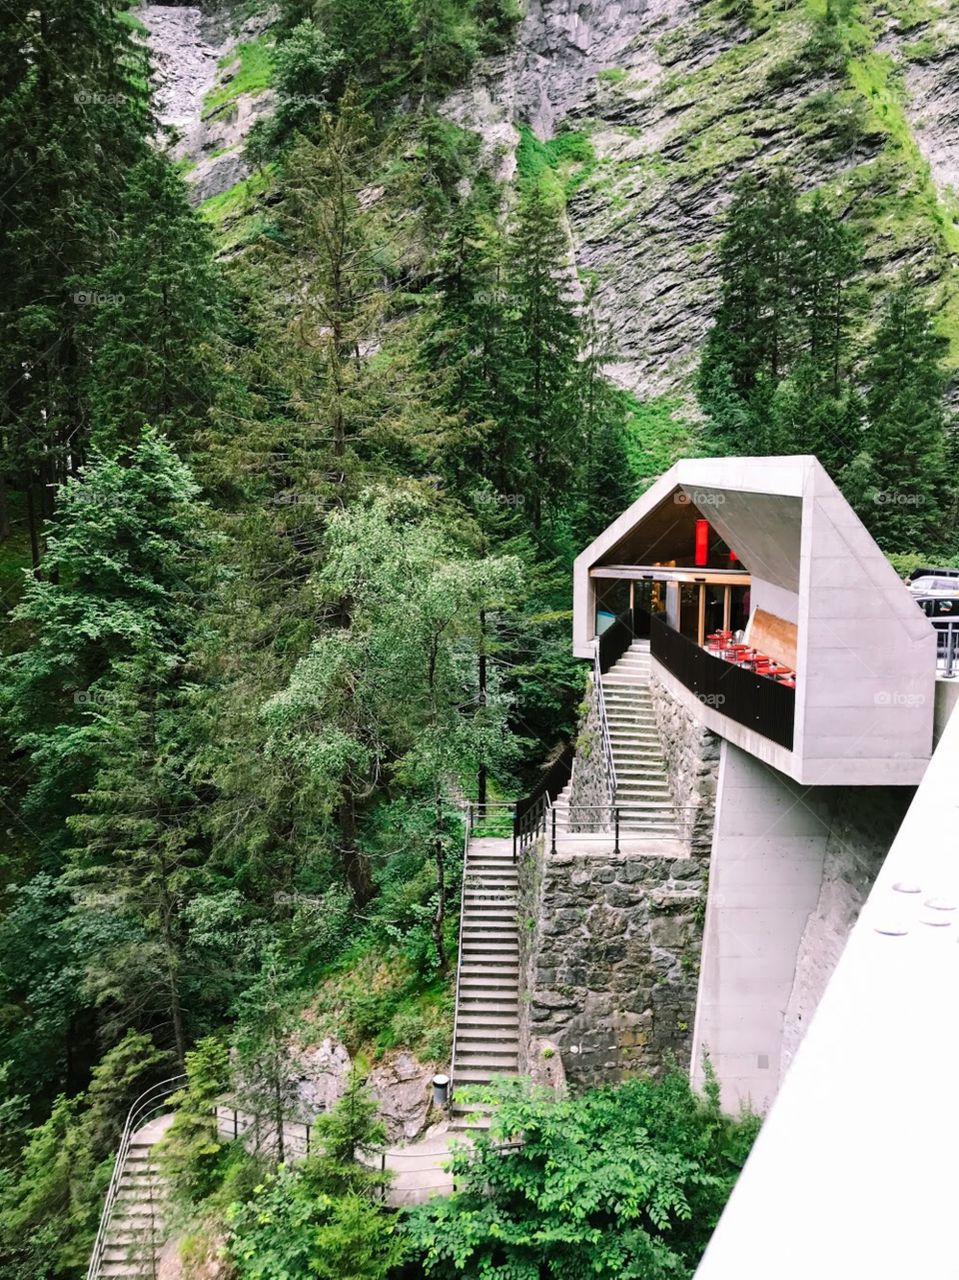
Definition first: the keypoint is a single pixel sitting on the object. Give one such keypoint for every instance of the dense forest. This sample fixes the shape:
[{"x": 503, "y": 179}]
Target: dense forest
[{"x": 286, "y": 538}]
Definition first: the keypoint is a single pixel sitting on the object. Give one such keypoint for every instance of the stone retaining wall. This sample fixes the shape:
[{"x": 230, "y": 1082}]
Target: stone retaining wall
[
  {"x": 610, "y": 960},
  {"x": 691, "y": 752},
  {"x": 589, "y": 791}
]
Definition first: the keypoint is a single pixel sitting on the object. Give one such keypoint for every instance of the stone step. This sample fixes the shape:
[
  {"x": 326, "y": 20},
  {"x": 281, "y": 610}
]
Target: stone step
[
  {"x": 470, "y": 1036},
  {"x": 487, "y": 1057},
  {"x": 476, "y": 1075},
  {"x": 489, "y": 1002},
  {"x": 500, "y": 974},
  {"x": 494, "y": 1018},
  {"x": 478, "y": 936}
]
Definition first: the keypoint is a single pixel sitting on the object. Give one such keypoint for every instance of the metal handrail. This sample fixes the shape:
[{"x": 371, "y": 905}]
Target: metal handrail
[
  {"x": 604, "y": 726},
  {"x": 459, "y": 957},
  {"x": 144, "y": 1108},
  {"x": 947, "y": 649}
]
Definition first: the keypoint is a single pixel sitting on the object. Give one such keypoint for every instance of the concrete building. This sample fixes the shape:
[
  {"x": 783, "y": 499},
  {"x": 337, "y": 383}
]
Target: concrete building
[{"x": 825, "y": 716}]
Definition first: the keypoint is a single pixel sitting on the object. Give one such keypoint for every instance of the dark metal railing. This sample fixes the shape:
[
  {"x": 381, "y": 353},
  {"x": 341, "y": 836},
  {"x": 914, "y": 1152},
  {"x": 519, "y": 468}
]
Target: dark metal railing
[
  {"x": 751, "y": 700},
  {"x": 609, "y": 763},
  {"x": 616, "y": 639},
  {"x": 529, "y": 815}
]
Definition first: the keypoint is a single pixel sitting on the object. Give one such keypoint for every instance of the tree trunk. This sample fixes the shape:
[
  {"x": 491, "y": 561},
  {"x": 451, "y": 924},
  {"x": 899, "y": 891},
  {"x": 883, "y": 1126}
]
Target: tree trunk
[
  {"x": 439, "y": 920},
  {"x": 355, "y": 864}
]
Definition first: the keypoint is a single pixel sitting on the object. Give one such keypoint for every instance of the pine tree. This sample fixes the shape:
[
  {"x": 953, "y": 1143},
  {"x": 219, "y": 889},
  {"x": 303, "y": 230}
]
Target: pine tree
[
  {"x": 137, "y": 864},
  {"x": 73, "y": 121},
  {"x": 775, "y": 375},
  {"x": 154, "y": 328},
  {"x": 900, "y": 482},
  {"x": 540, "y": 435},
  {"x": 120, "y": 565}
]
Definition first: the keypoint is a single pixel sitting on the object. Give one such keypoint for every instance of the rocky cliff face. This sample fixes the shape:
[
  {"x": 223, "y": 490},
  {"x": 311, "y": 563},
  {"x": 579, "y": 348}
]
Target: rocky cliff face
[
  {"x": 210, "y": 73},
  {"x": 677, "y": 98},
  {"x": 680, "y": 97}
]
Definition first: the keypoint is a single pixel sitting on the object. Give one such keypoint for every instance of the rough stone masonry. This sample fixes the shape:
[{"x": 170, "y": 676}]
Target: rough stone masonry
[{"x": 610, "y": 959}]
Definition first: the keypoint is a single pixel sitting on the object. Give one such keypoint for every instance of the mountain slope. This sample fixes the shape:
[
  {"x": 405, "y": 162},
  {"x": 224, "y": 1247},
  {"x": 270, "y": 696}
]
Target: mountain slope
[{"x": 678, "y": 99}]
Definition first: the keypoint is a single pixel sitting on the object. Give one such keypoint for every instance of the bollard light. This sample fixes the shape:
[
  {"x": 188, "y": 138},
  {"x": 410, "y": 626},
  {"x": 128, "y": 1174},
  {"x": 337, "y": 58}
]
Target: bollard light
[{"x": 441, "y": 1090}]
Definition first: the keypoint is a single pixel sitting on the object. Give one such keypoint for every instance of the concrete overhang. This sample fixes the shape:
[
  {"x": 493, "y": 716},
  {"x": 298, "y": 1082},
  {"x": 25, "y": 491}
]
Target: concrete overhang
[{"x": 865, "y": 653}]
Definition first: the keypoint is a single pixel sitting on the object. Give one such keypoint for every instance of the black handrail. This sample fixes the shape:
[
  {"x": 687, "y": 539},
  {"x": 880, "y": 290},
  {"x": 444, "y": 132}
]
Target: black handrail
[
  {"x": 552, "y": 782},
  {"x": 616, "y": 639},
  {"x": 751, "y": 700}
]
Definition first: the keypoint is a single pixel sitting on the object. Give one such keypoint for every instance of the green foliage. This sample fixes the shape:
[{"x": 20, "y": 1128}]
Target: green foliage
[
  {"x": 307, "y": 76},
  {"x": 155, "y": 317},
  {"x": 251, "y": 76},
  {"x": 568, "y": 154},
  {"x": 900, "y": 482},
  {"x": 191, "y": 1154},
  {"x": 115, "y": 587},
  {"x": 49, "y": 1207},
  {"x": 626, "y": 1181},
  {"x": 323, "y": 1219}
]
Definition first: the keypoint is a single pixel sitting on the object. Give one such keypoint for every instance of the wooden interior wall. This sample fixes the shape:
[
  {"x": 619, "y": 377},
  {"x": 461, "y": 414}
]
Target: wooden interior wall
[{"x": 772, "y": 635}]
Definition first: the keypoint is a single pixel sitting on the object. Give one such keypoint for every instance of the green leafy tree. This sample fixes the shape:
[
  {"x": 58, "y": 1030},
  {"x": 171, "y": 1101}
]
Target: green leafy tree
[
  {"x": 307, "y": 77},
  {"x": 626, "y": 1181},
  {"x": 324, "y": 1220},
  {"x": 50, "y": 1209},
  {"x": 191, "y": 1149},
  {"x": 394, "y": 691}
]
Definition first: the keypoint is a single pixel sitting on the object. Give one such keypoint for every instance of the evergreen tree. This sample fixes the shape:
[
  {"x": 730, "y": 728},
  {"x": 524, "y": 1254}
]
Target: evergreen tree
[
  {"x": 900, "y": 481},
  {"x": 154, "y": 326},
  {"x": 138, "y": 864},
  {"x": 119, "y": 583},
  {"x": 775, "y": 374},
  {"x": 540, "y": 435},
  {"x": 73, "y": 121},
  {"x": 265, "y": 1084}
]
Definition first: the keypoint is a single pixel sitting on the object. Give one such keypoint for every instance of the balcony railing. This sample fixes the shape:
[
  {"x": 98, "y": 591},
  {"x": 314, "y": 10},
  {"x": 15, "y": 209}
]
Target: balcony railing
[{"x": 754, "y": 701}]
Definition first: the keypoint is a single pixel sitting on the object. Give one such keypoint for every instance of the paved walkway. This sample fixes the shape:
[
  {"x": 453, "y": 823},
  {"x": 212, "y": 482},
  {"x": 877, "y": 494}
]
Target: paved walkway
[{"x": 419, "y": 1169}]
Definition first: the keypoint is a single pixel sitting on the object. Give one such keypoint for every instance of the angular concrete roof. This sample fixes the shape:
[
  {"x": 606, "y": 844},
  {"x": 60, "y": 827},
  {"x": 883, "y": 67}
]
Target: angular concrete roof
[{"x": 866, "y": 653}]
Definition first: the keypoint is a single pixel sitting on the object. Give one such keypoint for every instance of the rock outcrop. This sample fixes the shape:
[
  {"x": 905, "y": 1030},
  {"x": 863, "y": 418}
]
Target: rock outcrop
[{"x": 197, "y": 53}]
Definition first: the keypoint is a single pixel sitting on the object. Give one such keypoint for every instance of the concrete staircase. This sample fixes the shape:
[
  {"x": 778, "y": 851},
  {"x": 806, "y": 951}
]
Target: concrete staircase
[
  {"x": 487, "y": 1014},
  {"x": 135, "y": 1234},
  {"x": 642, "y": 786}
]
